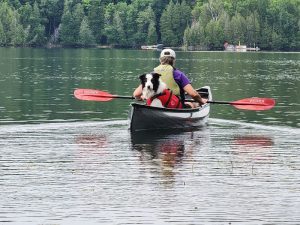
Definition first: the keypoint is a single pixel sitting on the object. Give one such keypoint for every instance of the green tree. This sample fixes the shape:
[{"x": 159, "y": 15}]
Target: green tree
[
  {"x": 212, "y": 10},
  {"x": 37, "y": 30},
  {"x": 252, "y": 29},
  {"x": 17, "y": 31},
  {"x": 109, "y": 29},
  {"x": 51, "y": 14},
  {"x": 167, "y": 33},
  {"x": 173, "y": 22},
  {"x": 141, "y": 5},
  {"x": 265, "y": 36},
  {"x": 213, "y": 24},
  {"x": 297, "y": 39},
  {"x": 86, "y": 37},
  {"x": 284, "y": 20},
  {"x": 6, "y": 18},
  {"x": 146, "y": 30},
  {"x": 238, "y": 25},
  {"x": 194, "y": 37},
  {"x": 2, "y": 35},
  {"x": 214, "y": 34},
  {"x": 130, "y": 26},
  {"x": 114, "y": 28},
  {"x": 32, "y": 28},
  {"x": 121, "y": 25},
  {"x": 70, "y": 26},
  {"x": 96, "y": 20},
  {"x": 66, "y": 35},
  {"x": 226, "y": 25},
  {"x": 152, "y": 35},
  {"x": 276, "y": 41},
  {"x": 158, "y": 7},
  {"x": 181, "y": 18},
  {"x": 25, "y": 12}
]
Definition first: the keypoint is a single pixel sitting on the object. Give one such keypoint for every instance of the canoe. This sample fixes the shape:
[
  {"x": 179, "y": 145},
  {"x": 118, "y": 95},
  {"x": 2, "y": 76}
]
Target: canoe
[{"x": 143, "y": 117}]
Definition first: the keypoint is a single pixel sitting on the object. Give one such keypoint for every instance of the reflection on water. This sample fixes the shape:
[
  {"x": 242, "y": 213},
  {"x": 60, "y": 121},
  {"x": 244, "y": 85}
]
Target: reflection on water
[
  {"x": 98, "y": 173},
  {"x": 253, "y": 140},
  {"x": 164, "y": 149},
  {"x": 92, "y": 142}
]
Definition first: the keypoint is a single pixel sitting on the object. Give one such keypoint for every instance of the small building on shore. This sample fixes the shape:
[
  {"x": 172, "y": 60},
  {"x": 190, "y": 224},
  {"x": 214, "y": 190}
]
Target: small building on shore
[
  {"x": 238, "y": 48},
  {"x": 152, "y": 47}
]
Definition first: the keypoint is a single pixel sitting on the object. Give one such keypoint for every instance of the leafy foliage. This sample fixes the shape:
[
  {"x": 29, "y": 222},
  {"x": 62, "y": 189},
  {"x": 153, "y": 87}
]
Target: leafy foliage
[{"x": 200, "y": 24}]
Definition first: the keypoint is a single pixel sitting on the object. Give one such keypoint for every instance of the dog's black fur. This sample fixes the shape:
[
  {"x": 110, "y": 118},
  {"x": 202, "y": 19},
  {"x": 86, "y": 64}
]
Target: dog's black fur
[{"x": 154, "y": 80}]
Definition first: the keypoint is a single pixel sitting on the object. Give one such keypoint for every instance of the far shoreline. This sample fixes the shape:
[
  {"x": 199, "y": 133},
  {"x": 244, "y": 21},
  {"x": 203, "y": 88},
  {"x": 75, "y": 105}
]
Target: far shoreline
[{"x": 183, "y": 49}]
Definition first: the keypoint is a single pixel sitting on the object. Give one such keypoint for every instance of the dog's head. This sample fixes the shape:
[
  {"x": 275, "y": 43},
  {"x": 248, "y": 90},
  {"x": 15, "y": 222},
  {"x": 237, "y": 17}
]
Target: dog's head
[
  {"x": 151, "y": 84},
  {"x": 150, "y": 81}
]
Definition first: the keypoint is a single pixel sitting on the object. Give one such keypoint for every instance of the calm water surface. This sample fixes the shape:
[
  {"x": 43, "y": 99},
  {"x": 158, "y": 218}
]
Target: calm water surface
[{"x": 65, "y": 161}]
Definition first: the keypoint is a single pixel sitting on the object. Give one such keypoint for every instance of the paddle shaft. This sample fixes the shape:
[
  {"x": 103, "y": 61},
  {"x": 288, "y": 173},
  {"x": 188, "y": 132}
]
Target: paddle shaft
[
  {"x": 122, "y": 96},
  {"x": 110, "y": 96},
  {"x": 233, "y": 103},
  {"x": 188, "y": 100},
  {"x": 117, "y": 96},
  {"x": 253, "y": 103}
]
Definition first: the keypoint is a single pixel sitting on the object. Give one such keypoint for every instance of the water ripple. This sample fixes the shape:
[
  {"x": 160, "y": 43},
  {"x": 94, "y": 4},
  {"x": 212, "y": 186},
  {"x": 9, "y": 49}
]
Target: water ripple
[{"x": 97, "y": 172}]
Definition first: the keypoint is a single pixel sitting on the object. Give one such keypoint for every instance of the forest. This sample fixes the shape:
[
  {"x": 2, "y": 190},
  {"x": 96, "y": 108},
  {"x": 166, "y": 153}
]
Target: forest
[{"x": 196, "y": 24}]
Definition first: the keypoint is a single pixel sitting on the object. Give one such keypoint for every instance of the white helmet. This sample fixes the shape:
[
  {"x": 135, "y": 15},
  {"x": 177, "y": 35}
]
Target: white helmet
[{"x": 167, "y": 52}]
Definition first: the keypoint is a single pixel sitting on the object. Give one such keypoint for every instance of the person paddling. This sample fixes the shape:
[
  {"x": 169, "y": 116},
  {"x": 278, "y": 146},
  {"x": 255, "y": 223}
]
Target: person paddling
[{"x": 176, "y": 80}]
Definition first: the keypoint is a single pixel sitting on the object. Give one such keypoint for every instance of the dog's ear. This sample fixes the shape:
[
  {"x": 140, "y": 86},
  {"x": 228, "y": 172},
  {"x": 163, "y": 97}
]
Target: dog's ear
[
  {"x": 156, "y": 75},
  {"x": 143, "y": 77}
]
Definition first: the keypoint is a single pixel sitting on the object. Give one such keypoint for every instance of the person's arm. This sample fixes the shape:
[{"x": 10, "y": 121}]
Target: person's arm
[
  {"x": 137, "y": 94},
  {"x": 194, "y": 94},
  {"x": 183, "y": 81}
]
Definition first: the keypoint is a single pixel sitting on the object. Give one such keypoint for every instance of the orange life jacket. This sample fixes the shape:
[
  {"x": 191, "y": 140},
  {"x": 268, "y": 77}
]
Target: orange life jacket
[{"x": 168, "y": 99}]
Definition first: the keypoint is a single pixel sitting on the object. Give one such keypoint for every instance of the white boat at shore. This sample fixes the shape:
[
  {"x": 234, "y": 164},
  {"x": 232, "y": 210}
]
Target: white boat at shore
[
  {"x": 152, "y": 47},
  {"x": 238, "y": 48}
]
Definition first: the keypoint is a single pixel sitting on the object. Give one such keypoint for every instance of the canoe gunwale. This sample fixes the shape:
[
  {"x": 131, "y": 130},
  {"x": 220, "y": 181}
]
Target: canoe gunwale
[{"x": 184, "y": 110}]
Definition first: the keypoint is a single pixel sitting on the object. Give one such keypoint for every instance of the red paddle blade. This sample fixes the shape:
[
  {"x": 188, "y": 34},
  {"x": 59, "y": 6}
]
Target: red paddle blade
[
  {"x": 92, "y": 95},
  {"x": 254, "y": 103}
]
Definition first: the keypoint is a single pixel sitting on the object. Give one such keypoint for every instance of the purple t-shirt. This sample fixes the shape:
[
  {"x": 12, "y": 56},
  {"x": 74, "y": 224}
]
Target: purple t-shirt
[{"x": 180, "y": 78}]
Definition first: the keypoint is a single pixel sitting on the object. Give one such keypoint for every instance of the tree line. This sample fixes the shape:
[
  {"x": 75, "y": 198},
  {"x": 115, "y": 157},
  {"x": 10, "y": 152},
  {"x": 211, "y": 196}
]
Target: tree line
[{"x": 195, "y": 24}]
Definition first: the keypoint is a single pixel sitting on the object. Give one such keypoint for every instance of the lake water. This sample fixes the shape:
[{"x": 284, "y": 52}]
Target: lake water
[{"x": 65, "y": 161}]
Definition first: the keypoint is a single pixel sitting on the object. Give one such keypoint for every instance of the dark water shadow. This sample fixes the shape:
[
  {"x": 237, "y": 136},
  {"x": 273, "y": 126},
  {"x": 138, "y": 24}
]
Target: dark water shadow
[
  {"x": 166, "y": 151},
  {"x": 171, "y": 144}
]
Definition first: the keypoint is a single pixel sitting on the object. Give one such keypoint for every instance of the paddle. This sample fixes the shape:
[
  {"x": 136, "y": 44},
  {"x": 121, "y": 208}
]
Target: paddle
[
  {"x": 246, "y": 104},
  {"x": 250, "y": 103},
  {"x": 96, "y": 95}
]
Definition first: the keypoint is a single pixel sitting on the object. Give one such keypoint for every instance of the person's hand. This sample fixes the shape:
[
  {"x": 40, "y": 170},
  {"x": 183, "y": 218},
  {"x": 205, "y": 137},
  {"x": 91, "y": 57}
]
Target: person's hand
[
  {"x": 204, "y": 100},
  {"x": 139, "y": 98}
]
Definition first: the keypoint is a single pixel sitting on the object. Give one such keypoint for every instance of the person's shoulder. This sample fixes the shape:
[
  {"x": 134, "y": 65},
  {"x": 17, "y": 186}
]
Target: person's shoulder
[
  {"x": 178, "y": 72},
  {"x": 180, "y": 76},
  {"x": 155, "y": 68}
]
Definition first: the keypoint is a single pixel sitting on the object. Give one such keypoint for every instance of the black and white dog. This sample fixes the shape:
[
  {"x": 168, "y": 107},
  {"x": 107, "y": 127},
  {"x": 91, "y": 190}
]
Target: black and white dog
[{"x": 156, "y": 93}]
